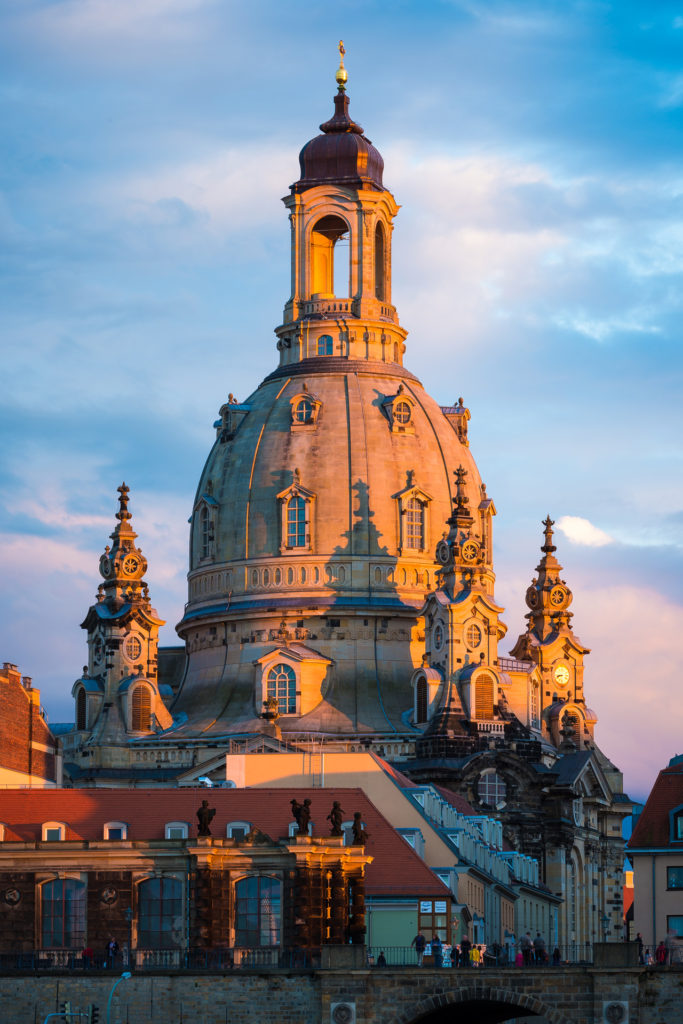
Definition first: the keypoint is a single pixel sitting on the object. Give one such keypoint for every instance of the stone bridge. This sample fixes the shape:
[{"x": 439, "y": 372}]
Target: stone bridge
[{"x": 569, "y": 995}]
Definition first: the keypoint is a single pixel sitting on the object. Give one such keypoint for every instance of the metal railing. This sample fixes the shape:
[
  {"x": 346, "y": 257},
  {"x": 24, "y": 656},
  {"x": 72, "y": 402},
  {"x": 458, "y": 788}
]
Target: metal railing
[
  {"x": 406, "y": 956},
  {"x": 150, "y": 960}
]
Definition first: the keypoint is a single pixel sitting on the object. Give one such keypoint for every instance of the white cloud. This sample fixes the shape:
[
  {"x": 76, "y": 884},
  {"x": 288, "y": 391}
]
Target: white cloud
[{"x": 582, "y": 531}]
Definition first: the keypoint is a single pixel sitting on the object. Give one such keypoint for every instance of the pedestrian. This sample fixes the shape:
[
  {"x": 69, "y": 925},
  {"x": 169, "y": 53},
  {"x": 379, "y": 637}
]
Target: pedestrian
[
  {"x": 112, "y": 951},
  {"x": 381, "y": 960},
  {"x": 419, "y": 942},
  {"x": 475, "y": 956},
  {"x": 661, "y": 954},
  {"x": 88, "y": 956},
  {"x": 437, "y": 951},
  {"x": 540, "y": 954},
  {"x": 556, "y": 956},
  {"x": 526, "y": 946},
  {"x": 465, "y": 947},
  {"x": 496, "y": 954},
  {"x": 639, "y": 941}
]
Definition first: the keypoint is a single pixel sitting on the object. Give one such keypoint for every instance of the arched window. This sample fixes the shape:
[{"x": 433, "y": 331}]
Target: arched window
[
  {"x": 402, "y": 412},
  {"x": 141, "y": 718},
  {"x": 205, "y": 532},
  {"x": 281, "y": 683},
  {"x": 257, "y": 911},
  {"x": 330, "y": 258},
  {"x": 296, "y": 522},
  {"x": 491, "y": 789},
  {"x": 160, "y": 913},
  {"x": 415, "y": 524},
  {"x": 473, "y": 636},
  {"x": 325, "y": 345},
  {"x": 63, "y": 906},
  {"x": 81, "y": 722},
  {"x": 379, "y": 263},
  {"x": 303, "y": 411},
  {"x": 421, "y": 700},
  {"x": 483, "y": 696}
]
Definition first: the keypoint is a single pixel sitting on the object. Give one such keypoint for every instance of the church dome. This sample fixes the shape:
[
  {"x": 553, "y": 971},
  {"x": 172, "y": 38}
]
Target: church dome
[{"x": 341, "y": 155}]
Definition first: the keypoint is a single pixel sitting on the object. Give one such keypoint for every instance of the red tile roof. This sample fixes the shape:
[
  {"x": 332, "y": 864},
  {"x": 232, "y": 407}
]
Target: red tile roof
[
  {"x": 395, "y": 871},
  {"x": 456, "y": 801},
  {"x": 653, "y": 828}
]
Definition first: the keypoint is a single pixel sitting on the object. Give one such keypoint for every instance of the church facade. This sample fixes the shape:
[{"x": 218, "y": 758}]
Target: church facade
[{"x": 341, "y": 580}]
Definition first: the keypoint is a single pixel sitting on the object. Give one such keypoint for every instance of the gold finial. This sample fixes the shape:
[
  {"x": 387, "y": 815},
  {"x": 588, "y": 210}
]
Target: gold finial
[{"x": 342, "y": 76}]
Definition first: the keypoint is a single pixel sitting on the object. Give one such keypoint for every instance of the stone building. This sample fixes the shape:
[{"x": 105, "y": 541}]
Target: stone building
[
  {"x": 29, "y": 752},
  {"x": 341, "y": 587}
]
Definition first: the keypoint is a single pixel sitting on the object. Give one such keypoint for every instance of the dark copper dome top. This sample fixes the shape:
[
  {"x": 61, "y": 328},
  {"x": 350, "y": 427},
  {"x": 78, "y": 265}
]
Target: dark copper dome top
[{"x": 342, "y": 155}]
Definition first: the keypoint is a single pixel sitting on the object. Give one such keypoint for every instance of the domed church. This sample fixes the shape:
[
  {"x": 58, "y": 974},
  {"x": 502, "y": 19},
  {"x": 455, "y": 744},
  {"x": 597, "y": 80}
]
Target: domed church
[{"x": 341, "y": 583}]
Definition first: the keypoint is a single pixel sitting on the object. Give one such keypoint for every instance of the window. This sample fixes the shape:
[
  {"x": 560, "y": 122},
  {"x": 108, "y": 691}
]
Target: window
[
  {"x": 2, "y": 832},
  {"x": 160, "y": 913},
  {"x": 415, "y": 519},
  {"x": 282, "y": 685},
  {"x": 132, "y": 647},
  {"x": 473, "y": 636},
  {"x": 176, "y": 830},
  {"x": 205, "y": 533},
  {"x": 379, "y": 263},
  {"x": 491, "y": 789},
  {"x": 402, "y": 412},
  {"x": 238, "y": 829},
  {"x": 421, "y": 700},
  {"x": 678, "y": 826},
  {"x": 483, "y": 696},
  {"x": 53, "y": 832},
  {"x": 325, "y": 345},
  {"x": 81, "y": 709},
  {"x": 115, "y": 830},
  {"x": 142, "y": 709},
  {"x": 296, "y": 523},
  {"x": 303, "y": 411},
  {"x": 257, "y": 911},
  {"x": 674, "y": 877},
  {"x": 674, "y": 924},
  {"x": 433, "y": 919},
  {"x": 63, "y": 905}
]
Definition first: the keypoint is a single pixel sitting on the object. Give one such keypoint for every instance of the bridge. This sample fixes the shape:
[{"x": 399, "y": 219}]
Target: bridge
[{"x": 348, "y": 995}]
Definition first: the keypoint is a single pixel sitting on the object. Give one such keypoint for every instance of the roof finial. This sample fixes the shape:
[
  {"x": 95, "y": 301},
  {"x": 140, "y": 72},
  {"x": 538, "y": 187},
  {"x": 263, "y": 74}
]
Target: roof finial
[
  {"x": 548, "y": 547},
  {"x": 342, "y": 75},
  {"x": 123, "y": 512}
]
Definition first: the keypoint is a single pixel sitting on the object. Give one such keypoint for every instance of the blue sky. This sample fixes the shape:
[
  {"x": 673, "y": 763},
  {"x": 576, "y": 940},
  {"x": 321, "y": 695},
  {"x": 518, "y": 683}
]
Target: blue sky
[{"x": 536, "y": 150}]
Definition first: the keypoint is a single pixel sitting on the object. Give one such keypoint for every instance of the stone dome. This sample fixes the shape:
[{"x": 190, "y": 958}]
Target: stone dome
[
  {"x": 353, "y": 590},
  {"x": 341, "y": 155}
]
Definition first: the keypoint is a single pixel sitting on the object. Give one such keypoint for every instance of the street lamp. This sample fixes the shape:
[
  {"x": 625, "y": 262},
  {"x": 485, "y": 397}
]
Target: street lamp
[
  {"x": 124, "y": 977},
  {"x": 128, "y": 914}
]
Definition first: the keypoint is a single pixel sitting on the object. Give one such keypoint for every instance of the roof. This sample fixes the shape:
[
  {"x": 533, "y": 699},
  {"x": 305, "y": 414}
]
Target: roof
[
  {"x": 653, "y": 828},
  {"x": 396, "y": 869},
  {"x": 456, "y": 801}
]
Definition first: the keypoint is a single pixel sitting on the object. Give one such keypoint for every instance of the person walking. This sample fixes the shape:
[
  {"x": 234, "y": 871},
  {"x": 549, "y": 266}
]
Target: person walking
[
  {"x": 526, "y": 946},
  {"x": 475, "y": 956},
  {"x": 437, "y": 951},
  {"x": 419, "y": 942},
  {"x": 540, "y": 954},
  {"x": 465, "y": 947}
]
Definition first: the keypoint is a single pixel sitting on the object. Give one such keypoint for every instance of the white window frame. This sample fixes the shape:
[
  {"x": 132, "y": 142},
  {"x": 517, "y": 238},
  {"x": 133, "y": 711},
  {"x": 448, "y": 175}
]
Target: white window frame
[
  {"x": 297, "y": 491},
  {"x": 109, "y": 825},
  {"x": 184, "y": 826},
  {"x": 49, "y": 826},
  {"x": 294, "y": 829},
  {"x": 402, "y": 499},
  {"x": 246, "y": 825}
]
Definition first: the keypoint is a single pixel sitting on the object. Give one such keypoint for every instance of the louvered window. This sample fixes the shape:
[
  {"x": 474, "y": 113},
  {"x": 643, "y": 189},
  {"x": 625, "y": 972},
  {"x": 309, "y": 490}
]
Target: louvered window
[
  {"x": 142, "y": 709},
  {"x": 483, "y": 699},
  {"x": 422, "y": 700},
  {"x": 80, "y": 709}
]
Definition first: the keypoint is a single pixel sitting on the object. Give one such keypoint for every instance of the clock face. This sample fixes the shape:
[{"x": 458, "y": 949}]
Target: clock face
[
  {"x": 562, "y": 675},
  {"x": 131, "y": 564},
  {"x": 470, "y": 550},
  {"x": 442, "y": 552},
  {"x": 105, "y": 566},
  {"x": 557, "y": 596}
]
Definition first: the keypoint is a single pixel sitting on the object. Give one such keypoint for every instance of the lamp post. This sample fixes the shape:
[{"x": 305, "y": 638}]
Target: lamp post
[
  {"x": 605, "y": 926},
  {"x": 124, "y": 977},
  {"x": 128, "y": 914}
]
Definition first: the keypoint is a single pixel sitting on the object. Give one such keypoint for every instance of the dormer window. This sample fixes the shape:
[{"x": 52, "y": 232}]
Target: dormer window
[
  {"x": 115, "y": 830},
  {"x": 413, "y": 519},
  {"x": 677, "y": 825},
  {"x": 399, "y": 410},
  {"x": 204, "y": 519},
  {"x": 281, "y": 685},
  {"x": 53, "y": 832},
  {"x": 305, "y": 409},
  {"x": 402, "y": 413},
  {"x": 296, "y": 516},
  {"x": 176, "y": 830},
  {"x": 238, "y": 829}
]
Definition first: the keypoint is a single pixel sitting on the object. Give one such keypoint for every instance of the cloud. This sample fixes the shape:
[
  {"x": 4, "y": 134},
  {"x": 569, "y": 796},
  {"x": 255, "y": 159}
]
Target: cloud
[{"x": 582, "y": 531}]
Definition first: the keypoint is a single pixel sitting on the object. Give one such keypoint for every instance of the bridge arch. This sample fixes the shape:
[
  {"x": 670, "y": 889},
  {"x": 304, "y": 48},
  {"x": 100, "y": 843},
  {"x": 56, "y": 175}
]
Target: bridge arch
[{"x": 487, "y": 1004}]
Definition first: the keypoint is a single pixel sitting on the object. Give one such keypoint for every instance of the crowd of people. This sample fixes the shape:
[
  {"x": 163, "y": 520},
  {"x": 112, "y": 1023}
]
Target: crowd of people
[{"x": 528, "y": 952}]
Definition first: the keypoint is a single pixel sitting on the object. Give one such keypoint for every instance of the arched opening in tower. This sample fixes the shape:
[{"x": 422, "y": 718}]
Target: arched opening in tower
[{"x": 330, "y": 259}]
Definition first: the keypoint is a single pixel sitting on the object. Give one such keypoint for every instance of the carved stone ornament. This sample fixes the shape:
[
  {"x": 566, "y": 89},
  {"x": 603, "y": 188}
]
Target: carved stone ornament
[
  {"x": 109, "y": 895},
  {"x": 11, "y": 897}
]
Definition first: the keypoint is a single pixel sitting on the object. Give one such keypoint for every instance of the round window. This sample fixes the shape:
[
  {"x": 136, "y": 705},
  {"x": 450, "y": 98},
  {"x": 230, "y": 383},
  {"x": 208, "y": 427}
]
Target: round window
[
  {"x": 491, "y": 789},
  {"x": 473, "y": 636},
  {"x": 402, "y": 412},
  {"x": 132, "y": 647}
]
